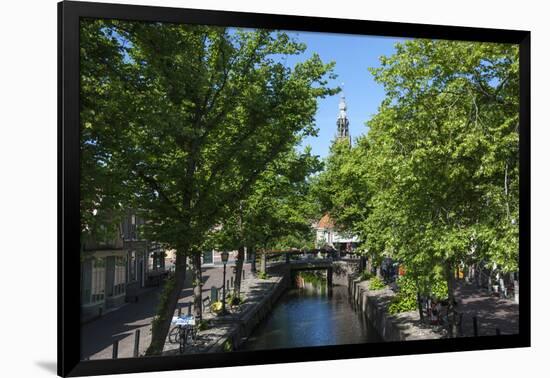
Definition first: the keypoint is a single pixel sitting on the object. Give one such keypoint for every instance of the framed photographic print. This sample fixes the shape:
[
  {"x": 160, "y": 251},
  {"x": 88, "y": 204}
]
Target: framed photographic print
[{"x": 240, "y": 188}]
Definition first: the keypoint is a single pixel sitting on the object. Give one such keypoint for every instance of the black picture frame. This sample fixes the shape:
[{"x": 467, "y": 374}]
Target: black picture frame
[{"x": 69, "y": 14}]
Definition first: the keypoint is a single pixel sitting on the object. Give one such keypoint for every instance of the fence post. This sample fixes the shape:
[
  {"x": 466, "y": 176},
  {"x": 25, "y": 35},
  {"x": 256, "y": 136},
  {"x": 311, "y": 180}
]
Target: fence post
[
  {"x": 474, "y": 319},
  {"x": 136, "y": 343},
  {"x": 115, "y": 349}
]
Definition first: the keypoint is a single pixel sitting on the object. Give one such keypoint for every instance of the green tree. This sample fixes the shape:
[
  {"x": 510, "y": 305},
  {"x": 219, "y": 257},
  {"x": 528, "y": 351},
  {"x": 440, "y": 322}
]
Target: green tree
[
  {"x": 443, "y": 157},
  {"x": 434, "y": 183},
  {"x": 342, "y": 189},
  {"x": 278, "y": 213},
  {"x": 197, "y": 115},
  {"x": 102, "y": 191}
]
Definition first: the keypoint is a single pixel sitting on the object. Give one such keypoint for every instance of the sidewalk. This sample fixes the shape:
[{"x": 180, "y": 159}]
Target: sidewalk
[
  {"x": 98, "y": 336},
  {"x": 491, "y": 312},
  {"x": 231, "y": 326}
]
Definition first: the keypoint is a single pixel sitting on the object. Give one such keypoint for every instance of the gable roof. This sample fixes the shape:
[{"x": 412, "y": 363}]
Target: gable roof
[{"x": 325, "y": 222}]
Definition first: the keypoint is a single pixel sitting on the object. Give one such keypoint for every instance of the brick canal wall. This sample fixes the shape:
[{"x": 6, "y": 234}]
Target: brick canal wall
[
  {"x": 398, "y": 327},
  {"x": 248, "y": 320},
  {"x": 260, "y": 297}
]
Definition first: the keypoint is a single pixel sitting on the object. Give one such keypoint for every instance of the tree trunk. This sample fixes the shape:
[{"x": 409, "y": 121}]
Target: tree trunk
[
  {"x": 516, "y": 291},
  {"x": 419, "y": 304},
  {"x": 263, "y": 262},
  {"x": 369, "y": 264},
  {"x": 238, "y": 272},
  {"x": 450, "y": 284},
  {"x": 451, "y": 297},
  {"x": 379, "y": 271},
  {"x": 167, "y": 305},
  {"x": 362, "y": 263},
  {"x": 253, "y": 259},
  {"x": 197, "y": 286}
]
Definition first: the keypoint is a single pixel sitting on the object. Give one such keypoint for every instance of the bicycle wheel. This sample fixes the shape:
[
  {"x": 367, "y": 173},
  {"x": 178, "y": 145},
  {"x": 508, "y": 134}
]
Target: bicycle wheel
[
  {"x": 193, "y": 333},
  {"x": 174, "y": 335},
  {"x": 184, "y": 333}
]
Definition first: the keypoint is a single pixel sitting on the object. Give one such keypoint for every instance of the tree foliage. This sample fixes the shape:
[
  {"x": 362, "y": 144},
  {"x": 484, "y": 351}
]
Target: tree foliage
[
  {"x": 184, "y": 119},
  {"x": 280, "y": 210},
  {"x": 435, "y": 182}
]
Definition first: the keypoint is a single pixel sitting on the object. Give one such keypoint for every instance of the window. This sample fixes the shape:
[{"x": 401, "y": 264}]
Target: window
[
  {"x": 86, "y": 283},
  {"x": 119, "y": 285},
  {"x": 98, "y": 280}
]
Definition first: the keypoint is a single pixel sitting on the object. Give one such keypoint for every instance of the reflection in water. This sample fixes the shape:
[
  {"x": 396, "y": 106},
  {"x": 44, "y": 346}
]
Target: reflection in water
[{"x": 312, "y": 316}]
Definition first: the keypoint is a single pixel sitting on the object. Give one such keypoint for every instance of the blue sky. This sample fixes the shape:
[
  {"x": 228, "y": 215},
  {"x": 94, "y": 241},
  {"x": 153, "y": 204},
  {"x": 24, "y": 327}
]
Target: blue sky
[{"x": 353, "y": 56}]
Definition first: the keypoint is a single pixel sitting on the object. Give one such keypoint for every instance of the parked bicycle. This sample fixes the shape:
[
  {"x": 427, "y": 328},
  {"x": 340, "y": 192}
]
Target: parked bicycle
[
  {"x": 184, "y": 331},
  {"x": 440, "y": 313}
]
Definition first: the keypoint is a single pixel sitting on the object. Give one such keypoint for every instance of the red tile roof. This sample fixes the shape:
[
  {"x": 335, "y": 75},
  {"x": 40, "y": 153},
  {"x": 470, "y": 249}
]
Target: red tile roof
[{"x": 325, "y": 222}]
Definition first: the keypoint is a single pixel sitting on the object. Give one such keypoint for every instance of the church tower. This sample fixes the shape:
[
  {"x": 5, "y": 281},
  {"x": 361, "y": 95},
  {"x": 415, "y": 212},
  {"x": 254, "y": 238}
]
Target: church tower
[{"x": 343, "y": 122}]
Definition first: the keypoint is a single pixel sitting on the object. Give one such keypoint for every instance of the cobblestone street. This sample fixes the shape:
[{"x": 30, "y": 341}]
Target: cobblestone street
[{"x": 491, "y": 312}]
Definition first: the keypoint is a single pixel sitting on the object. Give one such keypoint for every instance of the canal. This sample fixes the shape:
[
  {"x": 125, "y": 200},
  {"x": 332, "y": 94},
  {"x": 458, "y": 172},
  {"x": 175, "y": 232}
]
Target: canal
[{"x": 312, "y": 315}]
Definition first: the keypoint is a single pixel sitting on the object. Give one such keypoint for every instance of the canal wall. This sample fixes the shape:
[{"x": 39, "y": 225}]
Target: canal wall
[
  {"x": 343, "y": 269},
  {"x": 398, "y": 327},
  {"x": 250, "y": 319},
  {"x": 229, "y": 332},
  {"x": 247, "y": 320}
]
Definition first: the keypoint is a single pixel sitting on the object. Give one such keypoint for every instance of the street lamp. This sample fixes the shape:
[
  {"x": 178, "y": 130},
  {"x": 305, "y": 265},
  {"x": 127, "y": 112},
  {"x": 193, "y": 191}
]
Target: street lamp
[{"x": 225, "y": 257}]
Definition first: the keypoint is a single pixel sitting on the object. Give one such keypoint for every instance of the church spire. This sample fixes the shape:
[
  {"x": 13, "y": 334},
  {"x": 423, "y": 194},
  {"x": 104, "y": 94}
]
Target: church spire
[{"x": 343, "y": 122}]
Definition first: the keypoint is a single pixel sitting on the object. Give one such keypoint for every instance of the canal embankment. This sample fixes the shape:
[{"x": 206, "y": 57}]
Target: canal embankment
[
  {"x": 229, "y": 332},
  {"x": 233, "y": 331},
  {"x": 390, "y": 327}
]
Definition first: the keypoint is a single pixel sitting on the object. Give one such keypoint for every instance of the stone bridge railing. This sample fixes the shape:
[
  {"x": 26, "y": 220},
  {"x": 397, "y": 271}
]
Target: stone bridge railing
[{"x": 308, "y": 260}]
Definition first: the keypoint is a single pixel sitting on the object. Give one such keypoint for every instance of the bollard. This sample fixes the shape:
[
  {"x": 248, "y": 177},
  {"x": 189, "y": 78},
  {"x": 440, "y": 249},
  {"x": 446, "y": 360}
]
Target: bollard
[
  {"x": 231, "y": 281},
  {"x": 179, "y": 312},
  {"x": 115, "y": 349},
  {"x": 243, "y": 274},
  {"x": 474, "y": 319},
  {"x": 227, "y": 284},
  {"x": 497, "y": 331},
  {"x": 136, "y": 343}
]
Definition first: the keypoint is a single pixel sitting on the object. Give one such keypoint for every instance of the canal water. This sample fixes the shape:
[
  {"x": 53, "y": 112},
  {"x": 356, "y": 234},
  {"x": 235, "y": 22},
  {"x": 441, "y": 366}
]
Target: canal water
[{"x": 312, "y": 316}]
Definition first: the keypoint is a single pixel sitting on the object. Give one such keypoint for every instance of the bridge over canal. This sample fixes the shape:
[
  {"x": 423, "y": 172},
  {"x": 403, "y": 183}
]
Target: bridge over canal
[{"x": 305, "y": 260}]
